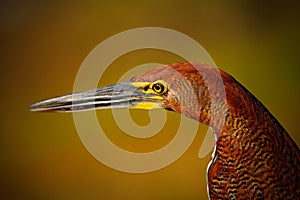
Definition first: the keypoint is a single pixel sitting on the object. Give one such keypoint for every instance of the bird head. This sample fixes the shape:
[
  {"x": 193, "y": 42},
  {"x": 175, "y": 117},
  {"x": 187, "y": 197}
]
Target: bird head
[{"x": 179, "y": 87}]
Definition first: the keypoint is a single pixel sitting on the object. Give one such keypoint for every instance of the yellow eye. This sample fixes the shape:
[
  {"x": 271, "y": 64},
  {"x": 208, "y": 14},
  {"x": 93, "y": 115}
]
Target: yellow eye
[{"x": 159, "y": 87}]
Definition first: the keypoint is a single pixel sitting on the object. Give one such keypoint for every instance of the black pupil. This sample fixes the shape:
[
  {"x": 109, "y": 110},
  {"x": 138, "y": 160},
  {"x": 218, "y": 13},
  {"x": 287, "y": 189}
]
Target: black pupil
[{"x": 159, "y": 87}]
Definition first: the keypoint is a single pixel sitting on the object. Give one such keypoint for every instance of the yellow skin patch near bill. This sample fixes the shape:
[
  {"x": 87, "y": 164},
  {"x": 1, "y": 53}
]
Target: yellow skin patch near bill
[
  {"x": 149, "y": 90},
  {"x": 147, "y": 106},
  {"x": 144, "y": 85},
  {"x": 149, "y": 86}
]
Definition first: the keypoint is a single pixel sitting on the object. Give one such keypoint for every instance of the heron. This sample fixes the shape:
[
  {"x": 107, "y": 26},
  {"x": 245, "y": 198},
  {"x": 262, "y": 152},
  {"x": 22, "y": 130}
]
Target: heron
[{"x": 254, "y": 156}]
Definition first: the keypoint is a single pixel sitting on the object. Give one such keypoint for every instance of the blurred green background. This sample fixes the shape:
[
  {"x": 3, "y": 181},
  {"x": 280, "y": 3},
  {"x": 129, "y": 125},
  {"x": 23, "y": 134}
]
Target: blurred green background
[{"x": 43, "y": 44}]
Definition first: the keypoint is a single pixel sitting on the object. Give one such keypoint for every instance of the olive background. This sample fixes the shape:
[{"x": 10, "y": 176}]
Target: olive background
[{"x": 43, "y": 44}]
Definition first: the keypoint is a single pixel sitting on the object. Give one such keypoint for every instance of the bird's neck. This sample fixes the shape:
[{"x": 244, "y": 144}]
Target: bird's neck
[
  {"x": 241, "y": 119},
  {"x": 226, "y": 106}
]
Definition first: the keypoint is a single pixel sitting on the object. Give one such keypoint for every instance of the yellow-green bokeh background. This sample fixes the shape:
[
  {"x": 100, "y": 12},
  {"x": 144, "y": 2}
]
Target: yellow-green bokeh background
[{"x": 42, "y": 46}]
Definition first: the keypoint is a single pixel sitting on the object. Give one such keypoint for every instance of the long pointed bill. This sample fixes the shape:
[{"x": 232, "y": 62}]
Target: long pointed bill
[{"x": 123, "y": 95}]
